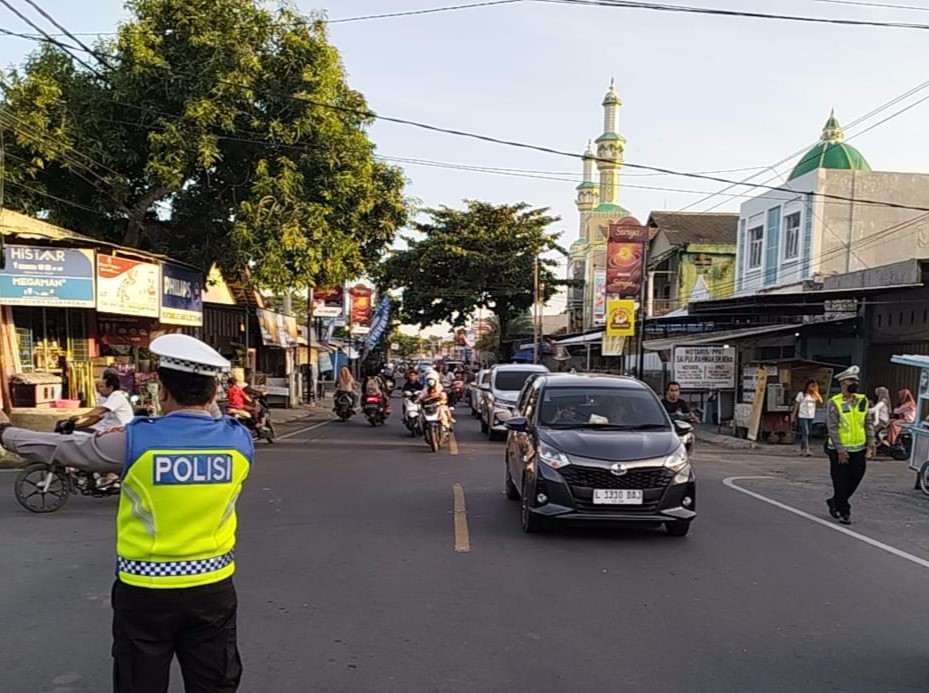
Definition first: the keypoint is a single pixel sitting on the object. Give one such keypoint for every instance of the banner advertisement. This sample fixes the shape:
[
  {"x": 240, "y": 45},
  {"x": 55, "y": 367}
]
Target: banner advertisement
[
  {"x": 625, "y": 257},
  {"x": 620, "y": 317},
  {"x": 127, "y": 287},
  {"x": 36, "y": 276},
  {"x": 181, "y": 296},
  {"x": 704, "y": 368},
  {"x": 612, "y": 345},
  {"x": 599, "y": 297},
  {"x": 361, "y": 305},
  {"x": 328, "y": 303},
  {"x": 277, "y": 329},
  {"x": 380, "y": 323}
]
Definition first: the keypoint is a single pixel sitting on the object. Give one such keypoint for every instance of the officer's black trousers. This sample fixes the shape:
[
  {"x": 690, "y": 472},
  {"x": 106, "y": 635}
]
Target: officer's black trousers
[
  {"x": 198, "y": 624},
  {"x": 845, "y": 477}
]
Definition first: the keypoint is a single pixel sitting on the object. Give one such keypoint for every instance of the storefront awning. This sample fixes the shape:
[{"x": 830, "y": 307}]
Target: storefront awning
[
  {"x": 716, "y": 337},
  {"x": 590, "y": 338}
]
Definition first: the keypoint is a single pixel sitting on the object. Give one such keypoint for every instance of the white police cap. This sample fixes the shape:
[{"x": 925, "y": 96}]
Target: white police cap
[
  {"x": 181, "y": 352},
  {"x": 850, "y": 373}
]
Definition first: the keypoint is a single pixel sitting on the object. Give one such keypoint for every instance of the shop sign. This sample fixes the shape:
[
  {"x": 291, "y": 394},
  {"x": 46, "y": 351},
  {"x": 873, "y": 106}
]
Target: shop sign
[
  {"x": 361, "y": 307},
  {"x": 181, "y": 296},
  {"x": 620, "y": 317},
  {"x": 277, "y": 329},
  {"x": 113, "y": 330},
  {"x": 625, "y": 258},
  {"x": 37, "y": 276},
  {"x": 328, "y": 303},
  {"x": 127, "y": 287},
  {"x": 704, "y": 368}
]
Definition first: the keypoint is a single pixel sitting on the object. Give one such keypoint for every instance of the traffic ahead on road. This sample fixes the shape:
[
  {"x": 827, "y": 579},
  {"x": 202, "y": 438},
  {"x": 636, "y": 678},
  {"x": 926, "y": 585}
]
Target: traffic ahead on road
[{"x": 368, "y": 562}]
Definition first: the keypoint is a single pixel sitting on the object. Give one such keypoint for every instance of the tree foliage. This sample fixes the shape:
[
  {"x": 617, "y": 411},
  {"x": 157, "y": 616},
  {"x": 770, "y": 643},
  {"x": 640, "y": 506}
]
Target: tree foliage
[
  {"x": 480, "y": 256},
  {"x": 210, "y": 130},
  {"x": 409, "y": 346}
]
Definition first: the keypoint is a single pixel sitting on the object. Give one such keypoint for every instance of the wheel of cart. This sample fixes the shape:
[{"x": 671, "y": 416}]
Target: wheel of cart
[{"x": 919, "y": 450}]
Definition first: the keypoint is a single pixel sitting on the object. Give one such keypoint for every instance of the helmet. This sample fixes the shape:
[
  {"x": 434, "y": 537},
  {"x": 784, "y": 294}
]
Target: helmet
[{"x": 431, "y": 380}]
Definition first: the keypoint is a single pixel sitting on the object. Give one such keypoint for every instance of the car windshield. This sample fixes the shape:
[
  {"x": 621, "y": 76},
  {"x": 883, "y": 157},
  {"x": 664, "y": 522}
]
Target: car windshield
[
  {"x": 607, "y": 408},
  {"x": 511, "y": 380}
]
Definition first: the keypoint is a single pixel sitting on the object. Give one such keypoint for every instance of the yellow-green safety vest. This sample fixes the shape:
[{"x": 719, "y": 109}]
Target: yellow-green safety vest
[
  {"x": 852, "y": 419},
  {"x": 176, "y": 521}
]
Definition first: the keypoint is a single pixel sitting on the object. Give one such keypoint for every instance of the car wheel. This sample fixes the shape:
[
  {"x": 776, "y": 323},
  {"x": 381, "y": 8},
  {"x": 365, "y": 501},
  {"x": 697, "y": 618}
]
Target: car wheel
[
  {"x": 484, "y": 428},
  {"x": 678, "y": 528},
  {"x": 512, "y": 493},
  {"x": 532, "y": 523}
]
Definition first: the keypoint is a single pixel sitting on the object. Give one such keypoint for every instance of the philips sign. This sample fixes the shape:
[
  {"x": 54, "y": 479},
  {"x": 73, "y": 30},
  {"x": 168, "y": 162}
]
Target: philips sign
[{"x": 193, "y": 469}]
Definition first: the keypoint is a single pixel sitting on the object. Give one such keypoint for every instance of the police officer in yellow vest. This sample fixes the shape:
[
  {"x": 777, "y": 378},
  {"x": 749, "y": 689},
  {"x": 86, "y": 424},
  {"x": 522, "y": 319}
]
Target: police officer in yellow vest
[
  {"x": 850, "y": 441},
  {"x": 176, "y": 524}
]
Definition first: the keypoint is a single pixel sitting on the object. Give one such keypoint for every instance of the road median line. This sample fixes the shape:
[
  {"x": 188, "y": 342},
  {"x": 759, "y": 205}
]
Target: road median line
[{"x": 462, "y": 538}]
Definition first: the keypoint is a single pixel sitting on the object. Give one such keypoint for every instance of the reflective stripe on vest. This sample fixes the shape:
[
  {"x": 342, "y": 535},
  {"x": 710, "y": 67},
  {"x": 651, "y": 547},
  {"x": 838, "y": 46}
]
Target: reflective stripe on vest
[
  {"x": 852, "y": 418},
  {"x": 176, "y": 520}
]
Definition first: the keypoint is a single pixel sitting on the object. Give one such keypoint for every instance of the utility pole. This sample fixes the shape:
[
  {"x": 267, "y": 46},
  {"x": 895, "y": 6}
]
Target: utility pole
[{"x": 535, "y": 312}]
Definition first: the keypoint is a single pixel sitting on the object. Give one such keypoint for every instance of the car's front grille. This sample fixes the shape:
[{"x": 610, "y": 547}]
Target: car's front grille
[
  {"x": 583, "y": 480},
  {"x": 595, "y": 477}
]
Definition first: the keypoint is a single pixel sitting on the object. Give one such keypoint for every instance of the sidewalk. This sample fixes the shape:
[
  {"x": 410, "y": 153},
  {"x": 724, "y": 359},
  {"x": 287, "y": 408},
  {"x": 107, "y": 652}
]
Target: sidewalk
[{"x": 709, "y": 433}]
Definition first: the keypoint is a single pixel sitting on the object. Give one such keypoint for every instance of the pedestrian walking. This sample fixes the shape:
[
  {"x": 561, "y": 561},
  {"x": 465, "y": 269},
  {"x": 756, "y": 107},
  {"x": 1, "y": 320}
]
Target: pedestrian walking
[
  {"x": 175, "y": 526},
  {"x": 849, "y": 443}
]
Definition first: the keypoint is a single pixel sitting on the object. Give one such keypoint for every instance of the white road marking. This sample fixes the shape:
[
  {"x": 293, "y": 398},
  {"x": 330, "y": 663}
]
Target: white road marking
[
  {"x": 730, "y": 482},
  {"x": 304, "y": 430},
  {"x": 462, "y": 536}
]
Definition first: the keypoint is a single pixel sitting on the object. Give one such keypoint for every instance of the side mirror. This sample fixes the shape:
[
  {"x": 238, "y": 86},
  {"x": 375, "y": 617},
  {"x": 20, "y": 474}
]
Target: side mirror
[
  {"x": 518, "y": 424},
  {"x": 683, "y": 428}
]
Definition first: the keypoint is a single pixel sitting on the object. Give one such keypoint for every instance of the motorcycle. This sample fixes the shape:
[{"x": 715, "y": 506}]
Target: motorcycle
[
  {"x": 374, "y": 409},
  {"x": 262, "y": 412},
  {"x": 433, "y": 429},
  {"x": 43, "y": 487},
  {"x": 343, "y": 406},
  {"x": 456, "y": 392},
  {"x": 411, "y": 415},
  {"x": 900, "y": 450}
]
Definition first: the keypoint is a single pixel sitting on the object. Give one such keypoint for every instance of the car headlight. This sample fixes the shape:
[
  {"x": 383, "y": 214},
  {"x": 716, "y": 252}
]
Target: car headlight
[
  {"x": 552, "y": 457},
  {"x": 678, "y": 463}
]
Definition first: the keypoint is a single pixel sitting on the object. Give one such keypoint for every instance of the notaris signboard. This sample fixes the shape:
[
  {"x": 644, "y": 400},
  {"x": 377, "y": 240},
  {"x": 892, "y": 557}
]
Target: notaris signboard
[
  {"x": 704, "y": 368},
  {"x": 36, "y": 276}
]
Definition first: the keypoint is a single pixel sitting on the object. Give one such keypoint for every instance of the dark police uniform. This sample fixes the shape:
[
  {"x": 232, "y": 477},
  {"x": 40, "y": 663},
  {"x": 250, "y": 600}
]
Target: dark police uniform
[{"x": 176, "y": 527}]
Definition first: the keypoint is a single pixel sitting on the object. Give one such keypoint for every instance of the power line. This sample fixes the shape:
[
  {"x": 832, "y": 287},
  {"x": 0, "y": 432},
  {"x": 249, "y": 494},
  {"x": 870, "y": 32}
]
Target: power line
[
  {"x": 431, "y": 10},
  {"x": 38, "y": 8},
  {"x": 47, "y": 36},
  {"x": 860, "y": 3},
  {"x": 713, "y": 11}
]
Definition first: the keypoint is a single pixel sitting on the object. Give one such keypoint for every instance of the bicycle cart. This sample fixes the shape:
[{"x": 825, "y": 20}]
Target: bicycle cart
[{"x": 919, "y": 451}]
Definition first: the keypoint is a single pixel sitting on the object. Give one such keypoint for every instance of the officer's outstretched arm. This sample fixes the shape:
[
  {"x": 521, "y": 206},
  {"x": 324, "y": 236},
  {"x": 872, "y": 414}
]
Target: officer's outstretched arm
[{"x": 104, "y": 452}]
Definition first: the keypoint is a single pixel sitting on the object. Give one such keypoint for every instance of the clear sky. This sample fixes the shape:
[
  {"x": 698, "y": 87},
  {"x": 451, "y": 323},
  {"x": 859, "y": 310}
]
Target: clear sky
[{"x": 701, "y": 93}]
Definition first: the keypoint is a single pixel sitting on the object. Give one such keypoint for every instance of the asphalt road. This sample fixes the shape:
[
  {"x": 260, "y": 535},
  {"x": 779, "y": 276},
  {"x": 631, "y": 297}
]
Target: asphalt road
[{"x": 349, "y": 580}]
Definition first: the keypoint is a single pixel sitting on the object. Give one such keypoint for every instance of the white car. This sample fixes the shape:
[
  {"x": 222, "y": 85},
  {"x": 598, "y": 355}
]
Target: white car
[
  {"x": 474, "y": 391},
  {"x": 500, "y": 392}
]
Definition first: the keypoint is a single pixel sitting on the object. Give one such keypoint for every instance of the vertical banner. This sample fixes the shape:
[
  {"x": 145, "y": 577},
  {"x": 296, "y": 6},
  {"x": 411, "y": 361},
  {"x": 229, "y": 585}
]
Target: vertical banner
[
  {"x": 599, "y": 297},
  {"x": 361, "y": 305},
  {"x": 625, "y": 259}
]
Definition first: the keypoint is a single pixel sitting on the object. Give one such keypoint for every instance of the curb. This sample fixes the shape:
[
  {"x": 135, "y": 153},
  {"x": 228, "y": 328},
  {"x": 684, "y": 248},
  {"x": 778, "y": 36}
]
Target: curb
[{"x": 730, "y": 442}]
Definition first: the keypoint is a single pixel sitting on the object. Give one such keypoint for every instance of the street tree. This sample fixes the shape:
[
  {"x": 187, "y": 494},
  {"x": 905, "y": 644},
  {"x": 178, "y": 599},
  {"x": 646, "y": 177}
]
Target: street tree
[
  {"x": 210, "y": 130},
  {"x": 464, "y": 259},
  {"x": 409, "y": 346}
]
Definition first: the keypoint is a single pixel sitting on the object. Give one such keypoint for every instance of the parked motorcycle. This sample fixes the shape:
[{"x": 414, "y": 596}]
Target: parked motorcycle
[
  {"x": 433, "y": 430},
  {"x": 411, "y": 414},
  {"x": 43, "y": 487},
  {"x": 343, "y": 406},
  {"x": 900, "y": 450},
  {"x": 374, "y": 409}
]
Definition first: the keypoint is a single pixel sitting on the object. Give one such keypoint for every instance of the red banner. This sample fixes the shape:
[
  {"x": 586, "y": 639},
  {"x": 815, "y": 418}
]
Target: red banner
[
  {"x": 361, "y": 305},
  {"x": 625, "y": 258}
]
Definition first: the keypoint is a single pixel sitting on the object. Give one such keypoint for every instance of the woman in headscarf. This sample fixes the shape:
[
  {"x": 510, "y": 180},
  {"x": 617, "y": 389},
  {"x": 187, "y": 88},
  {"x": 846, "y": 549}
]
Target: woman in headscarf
[
  {"x": 903, "y": 413},
  {"x": 880, "y": 412},
  {"x": 346, "y": 383}
]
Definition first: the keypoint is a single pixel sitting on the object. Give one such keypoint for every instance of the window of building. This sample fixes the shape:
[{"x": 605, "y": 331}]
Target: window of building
[
  {"x": 792, "y": 236},
  {"x": 755, "y": 247}
]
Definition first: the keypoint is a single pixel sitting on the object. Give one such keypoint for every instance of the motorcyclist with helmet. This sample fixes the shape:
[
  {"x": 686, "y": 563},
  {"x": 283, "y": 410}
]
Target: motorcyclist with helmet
[{"x": 434, "y": 393}]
